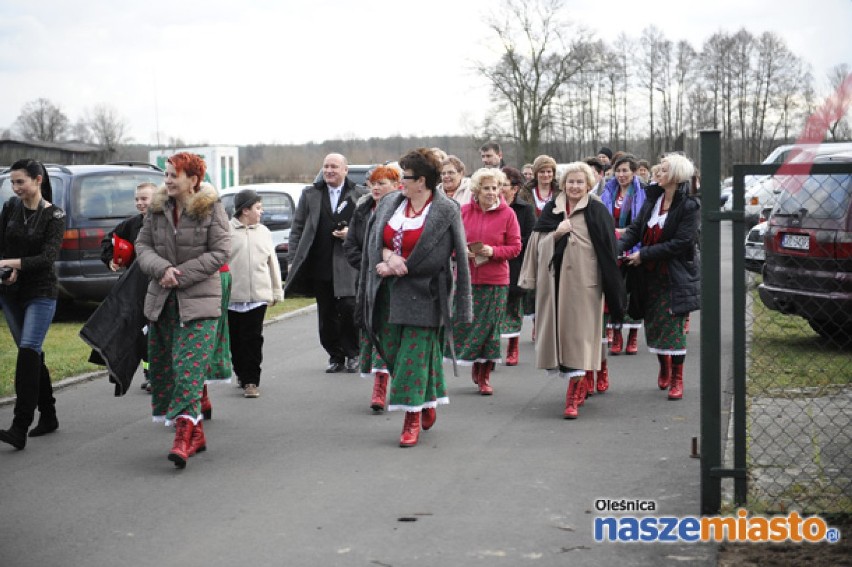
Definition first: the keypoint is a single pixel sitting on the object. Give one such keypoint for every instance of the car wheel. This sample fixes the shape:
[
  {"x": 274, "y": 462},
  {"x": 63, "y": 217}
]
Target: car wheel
[{"x": 839, "y": 334}]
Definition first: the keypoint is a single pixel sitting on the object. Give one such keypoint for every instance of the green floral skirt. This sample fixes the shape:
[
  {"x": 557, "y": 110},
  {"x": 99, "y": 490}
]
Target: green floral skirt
[
  {"x": 179, "y": 357},
  {"x": 664, "y": 331},
  {"x": 220, "y": 366},
  {"x": 513, "y": 319},
  {"x": 414, "y": 359},
  {"x": 479, "y": 341},
  {"x": 370, "y": 360}
]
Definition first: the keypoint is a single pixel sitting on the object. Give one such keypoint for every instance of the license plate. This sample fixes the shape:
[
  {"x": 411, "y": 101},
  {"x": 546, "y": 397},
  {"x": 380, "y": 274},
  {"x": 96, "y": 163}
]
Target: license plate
[
  {"x": 796, "y": 241},
  {"x": 754, "y": 254}
]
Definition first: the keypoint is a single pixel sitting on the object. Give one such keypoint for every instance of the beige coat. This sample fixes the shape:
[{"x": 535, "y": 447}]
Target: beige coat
[
  {"x": 198, "y": 247},
  {"x": 569, "y": 321},
  {"x": 255, "y": 272}
]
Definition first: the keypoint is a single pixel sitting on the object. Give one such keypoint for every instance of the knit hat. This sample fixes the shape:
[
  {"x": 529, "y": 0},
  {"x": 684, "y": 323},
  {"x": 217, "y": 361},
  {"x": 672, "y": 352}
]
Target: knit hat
[
  {"x": 605, "y": 151},
  {"x": 541, "y": 162},
  {"x": 244, "y": 200}
]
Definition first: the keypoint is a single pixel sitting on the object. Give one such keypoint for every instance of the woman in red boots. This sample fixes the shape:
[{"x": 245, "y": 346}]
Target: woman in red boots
[
  {"x": 570, "y": 262},
  {"x": 183, "y": 243},
  {"x": 518, "y": 298},
  {"x": 406, "y": 295},
  {"x": 31, "y": 230},
  {"x": 381, "y": 181},
  {"x": 668, "y": 265},
  {"x": 493, "y": 238}
]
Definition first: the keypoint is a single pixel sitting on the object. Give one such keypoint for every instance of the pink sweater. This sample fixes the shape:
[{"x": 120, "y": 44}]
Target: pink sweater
[{"x": 499, "y": 229}]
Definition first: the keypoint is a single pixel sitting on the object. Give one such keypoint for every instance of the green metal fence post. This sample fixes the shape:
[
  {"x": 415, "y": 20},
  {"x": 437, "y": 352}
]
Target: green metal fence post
[{"x": 711, "y": 336}]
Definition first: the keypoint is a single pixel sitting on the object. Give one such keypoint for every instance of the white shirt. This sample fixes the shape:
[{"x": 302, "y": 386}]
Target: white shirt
[{"x": 334, "y": 196}]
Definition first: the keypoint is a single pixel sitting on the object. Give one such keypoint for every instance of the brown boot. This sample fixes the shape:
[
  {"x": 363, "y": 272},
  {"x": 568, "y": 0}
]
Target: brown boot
[
  {"x": 183, "y": 435},
  {"x": 380, "y": 390},
  {"x": 676, "y": 391},
  {"x": 410, "y": 429}
]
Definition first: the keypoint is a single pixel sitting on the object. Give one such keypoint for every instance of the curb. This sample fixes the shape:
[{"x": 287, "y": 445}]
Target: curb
[{"x": 89, "y": 376}]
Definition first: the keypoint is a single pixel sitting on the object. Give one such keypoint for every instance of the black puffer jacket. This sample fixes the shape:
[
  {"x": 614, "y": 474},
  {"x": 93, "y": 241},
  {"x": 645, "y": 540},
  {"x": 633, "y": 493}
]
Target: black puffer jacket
[{"x": 678, "y": 246}]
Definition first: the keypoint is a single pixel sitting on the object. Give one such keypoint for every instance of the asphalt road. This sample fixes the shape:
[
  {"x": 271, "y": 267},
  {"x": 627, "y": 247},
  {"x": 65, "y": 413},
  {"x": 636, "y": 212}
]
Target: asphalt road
[{"x": 307, "y": 475}]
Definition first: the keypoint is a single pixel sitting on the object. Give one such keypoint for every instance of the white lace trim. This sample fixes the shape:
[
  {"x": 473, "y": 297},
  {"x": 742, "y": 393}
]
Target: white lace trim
[
  {"x": 510, "y": 335},
  {"x": 666, "y": 351},
  {"x": 656, "y": 218},
  {"x": 171, "y": 422},
  {"x": 461, "y": 362},
  {"x": 400, "y": 407}
]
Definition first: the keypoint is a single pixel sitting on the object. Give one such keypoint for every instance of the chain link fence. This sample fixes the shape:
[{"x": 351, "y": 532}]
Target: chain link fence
[{"x": 799, "y": 341}]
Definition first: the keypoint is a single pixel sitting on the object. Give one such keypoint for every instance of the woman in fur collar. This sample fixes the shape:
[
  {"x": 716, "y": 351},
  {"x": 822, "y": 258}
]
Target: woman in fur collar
[{"x": 182, "y": 245}]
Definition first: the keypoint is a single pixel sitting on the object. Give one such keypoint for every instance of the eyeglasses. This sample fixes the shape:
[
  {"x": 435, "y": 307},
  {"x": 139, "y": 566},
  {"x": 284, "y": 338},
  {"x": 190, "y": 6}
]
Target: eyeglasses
[{"x": 411, "y": 177}]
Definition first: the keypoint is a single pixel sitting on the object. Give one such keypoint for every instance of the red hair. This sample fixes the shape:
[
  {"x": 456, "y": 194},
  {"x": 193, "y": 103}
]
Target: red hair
[
  {"x": 384, "y": 172},
  {"x": 190, "y": 164}
]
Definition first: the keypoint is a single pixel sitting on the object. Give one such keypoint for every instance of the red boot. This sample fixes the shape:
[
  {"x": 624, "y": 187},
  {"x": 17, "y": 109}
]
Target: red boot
[
  {"x": 206, "y": 406},
  {"x": 380, "y": 391},
  {"x": 603, "y": 378},
  {"x": 475, "y": 372},
  {"x": 632, "y": 342},
  {"x": 197, "y": 443},
  {"x": 571, "y": 399},
  {"x": 180, "y": 449},
  {"x": 580, "y": 391},
  {"x": 484, "y": 377},
  {"x": 589, "y": 384},
  {"x": 676, "y": 391},
  {"x": 608, "y": 337},
  {"x": 512, "y": 352},
  {"x": 617, "y": 342},
  {"x": 410, "y": 429},
  {"x": 428, "y": 418},
  {"x": 664, "y": 378}
]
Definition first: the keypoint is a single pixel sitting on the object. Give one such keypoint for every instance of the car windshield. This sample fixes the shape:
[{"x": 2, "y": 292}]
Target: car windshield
[
  {"x": 110, "y": 195},
  {"x": 278, "y": 209},
  {"x": 820, "y": 196}
]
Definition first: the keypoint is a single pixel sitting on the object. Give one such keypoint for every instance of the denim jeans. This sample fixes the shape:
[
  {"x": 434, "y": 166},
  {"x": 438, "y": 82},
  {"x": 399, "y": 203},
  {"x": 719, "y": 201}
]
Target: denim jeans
[{"x": 28, "y": 320}]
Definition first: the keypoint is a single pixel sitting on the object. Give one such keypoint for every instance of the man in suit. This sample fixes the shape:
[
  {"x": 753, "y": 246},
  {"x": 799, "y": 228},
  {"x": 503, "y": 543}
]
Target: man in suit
[{"x": 318, "y": 265}]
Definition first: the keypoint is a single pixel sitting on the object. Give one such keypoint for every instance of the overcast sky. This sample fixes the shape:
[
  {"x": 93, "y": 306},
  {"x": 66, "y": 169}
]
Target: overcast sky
[{"x": 282, "y": 71}]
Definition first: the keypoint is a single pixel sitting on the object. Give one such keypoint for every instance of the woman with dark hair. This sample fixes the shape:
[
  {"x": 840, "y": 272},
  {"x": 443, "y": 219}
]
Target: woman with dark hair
[
  {"x": 669, "y": 264},
  {"x": 182, "y": 245},
  {"x": 493, "y": 238},
  {"x": 623, "y": 196},
  {"x": 570, "y": 262},
  {"x": 518, "y": 298},
  {"x": 405, "y": 292},
  {"x": 381, "y": 181},
  {"x": 31, "y": 230}
]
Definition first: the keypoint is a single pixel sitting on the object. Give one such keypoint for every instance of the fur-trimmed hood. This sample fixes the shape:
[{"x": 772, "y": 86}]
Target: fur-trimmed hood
[{"x": 199, "y": 205}]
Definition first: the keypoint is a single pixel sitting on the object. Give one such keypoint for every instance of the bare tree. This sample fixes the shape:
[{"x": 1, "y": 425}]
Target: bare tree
[
  {"x": 839, "y": 102},
  {"x": 41, "y": 120},
  {"x": 80, "y": 131},
  {"x": 108, "y": 128},
  {"x": 536, "y": 61},
  {"x": 656, "y": 75}
]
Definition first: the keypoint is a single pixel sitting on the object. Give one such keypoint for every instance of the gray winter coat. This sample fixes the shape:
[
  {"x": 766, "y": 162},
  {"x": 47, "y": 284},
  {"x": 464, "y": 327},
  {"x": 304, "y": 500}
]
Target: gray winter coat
[
  {"x": 199, "y": 246},
  {"x": 425, "y": 296}
]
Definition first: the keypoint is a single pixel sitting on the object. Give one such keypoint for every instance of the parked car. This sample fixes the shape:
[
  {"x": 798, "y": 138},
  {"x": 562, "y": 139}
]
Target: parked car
[
  {"x": 755, "y": 254},
  {"x": 95, "y": 199},
  {"x": 762, "y": 191},
  {"x": 808, "y": 267},
  {"x": 279, "y": 210}
]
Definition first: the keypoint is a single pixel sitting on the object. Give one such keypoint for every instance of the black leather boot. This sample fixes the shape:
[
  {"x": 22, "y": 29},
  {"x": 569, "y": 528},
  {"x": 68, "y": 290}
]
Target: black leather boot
[
  {"x": 27, "y": 373},
  {"x": 47, "y": 422}
]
